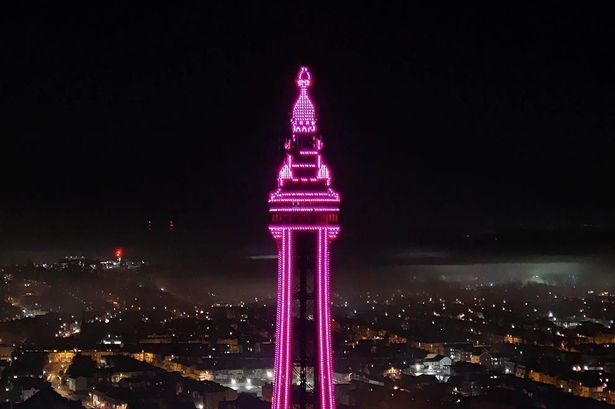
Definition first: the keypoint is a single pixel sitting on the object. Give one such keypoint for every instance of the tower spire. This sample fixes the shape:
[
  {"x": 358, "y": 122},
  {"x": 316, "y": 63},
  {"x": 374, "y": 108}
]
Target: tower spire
[{"x": 304, "y": 113}]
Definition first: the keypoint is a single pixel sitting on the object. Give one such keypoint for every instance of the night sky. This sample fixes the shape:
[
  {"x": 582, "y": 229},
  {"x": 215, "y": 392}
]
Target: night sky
[{"x": 480, "y": 130}]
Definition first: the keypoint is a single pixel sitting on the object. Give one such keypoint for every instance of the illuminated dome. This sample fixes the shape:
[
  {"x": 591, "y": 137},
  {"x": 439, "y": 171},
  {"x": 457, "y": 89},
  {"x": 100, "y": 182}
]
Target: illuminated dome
[{"x": 304, "y": 113}]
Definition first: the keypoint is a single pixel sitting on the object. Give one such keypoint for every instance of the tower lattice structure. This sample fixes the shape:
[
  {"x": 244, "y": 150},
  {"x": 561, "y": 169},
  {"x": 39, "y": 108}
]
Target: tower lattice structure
[{"x": 304, "y": 211}]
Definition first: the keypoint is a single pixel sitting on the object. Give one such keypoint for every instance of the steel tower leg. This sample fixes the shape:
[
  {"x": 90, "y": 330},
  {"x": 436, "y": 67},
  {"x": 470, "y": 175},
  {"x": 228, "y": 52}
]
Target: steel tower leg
[{"x": 302, "y": 330}]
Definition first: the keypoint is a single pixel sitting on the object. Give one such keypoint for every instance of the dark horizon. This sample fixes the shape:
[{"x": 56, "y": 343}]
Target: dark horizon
[{"x": 483, "y": 134}]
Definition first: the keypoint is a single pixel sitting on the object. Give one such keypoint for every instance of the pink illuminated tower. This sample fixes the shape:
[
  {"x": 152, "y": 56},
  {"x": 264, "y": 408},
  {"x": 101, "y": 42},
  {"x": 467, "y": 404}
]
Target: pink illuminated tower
[{"x": 304, "y": 221}]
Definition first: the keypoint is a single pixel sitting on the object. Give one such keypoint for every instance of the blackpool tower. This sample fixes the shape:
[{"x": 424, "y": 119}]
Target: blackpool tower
[{"x": 304, "y": 212}]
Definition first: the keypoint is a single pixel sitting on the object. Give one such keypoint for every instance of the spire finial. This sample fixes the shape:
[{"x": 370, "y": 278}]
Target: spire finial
[
  {"x": 304, "y": 78},
  {"x": 304, "y": 114}
]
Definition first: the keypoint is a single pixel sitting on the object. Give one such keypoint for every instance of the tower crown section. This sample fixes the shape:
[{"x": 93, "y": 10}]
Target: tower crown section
[{"x": 304, "y": 194}]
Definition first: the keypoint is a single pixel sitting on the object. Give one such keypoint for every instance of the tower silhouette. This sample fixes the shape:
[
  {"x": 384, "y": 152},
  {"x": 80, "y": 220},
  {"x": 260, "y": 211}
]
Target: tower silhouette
[{"x": 304, "y": 213}]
